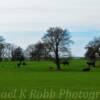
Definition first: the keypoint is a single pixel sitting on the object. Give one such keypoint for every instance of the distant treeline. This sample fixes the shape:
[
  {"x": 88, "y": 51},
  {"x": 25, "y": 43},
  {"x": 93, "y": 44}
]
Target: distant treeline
[{"x": 55, "y": 44}]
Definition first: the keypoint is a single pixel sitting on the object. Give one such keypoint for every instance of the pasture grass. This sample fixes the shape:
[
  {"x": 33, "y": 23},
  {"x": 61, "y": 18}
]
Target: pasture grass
[{"x": 35, "y": 82}]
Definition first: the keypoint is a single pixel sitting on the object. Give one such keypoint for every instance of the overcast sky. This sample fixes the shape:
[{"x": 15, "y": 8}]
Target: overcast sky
[{"x": 31, "y": 18}]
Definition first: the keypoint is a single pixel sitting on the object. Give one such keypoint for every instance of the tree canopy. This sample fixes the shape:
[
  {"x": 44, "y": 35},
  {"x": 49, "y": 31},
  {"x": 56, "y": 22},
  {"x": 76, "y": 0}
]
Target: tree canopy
[
  {"x": 93, "y": 49},
  {"x": 59, "y": 41}
]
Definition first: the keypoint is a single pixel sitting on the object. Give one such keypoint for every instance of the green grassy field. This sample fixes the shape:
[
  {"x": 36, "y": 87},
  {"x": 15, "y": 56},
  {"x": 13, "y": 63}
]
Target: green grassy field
[{"x": 35, "y": 82}]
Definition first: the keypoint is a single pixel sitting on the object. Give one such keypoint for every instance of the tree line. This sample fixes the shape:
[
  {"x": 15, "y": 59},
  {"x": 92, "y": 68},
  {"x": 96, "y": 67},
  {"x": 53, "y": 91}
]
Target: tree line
[{"x": 54, "y": 45}]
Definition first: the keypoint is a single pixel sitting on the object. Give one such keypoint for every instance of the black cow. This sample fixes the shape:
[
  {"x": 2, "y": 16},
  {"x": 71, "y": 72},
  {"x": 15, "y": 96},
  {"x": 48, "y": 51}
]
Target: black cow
[
  {"x": 21, "y": 61},
  {"x": 66, "y": 63},
  {"x": 86, "y": 69},
  {"x": 91, "y": 64}
]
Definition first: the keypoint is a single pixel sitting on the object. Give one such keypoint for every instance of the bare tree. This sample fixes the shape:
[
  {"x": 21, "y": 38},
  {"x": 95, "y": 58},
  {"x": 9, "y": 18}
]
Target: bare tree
[
  {"x": 17, "y": 54},
  {"x": 93, "y": 50},
  {"x": 38, "y": 51},
  {"x": 8, "y": 50},
  {"x": 1, "y": 46},
  {"x": 47, "y": 50},
  {"x": 59, "y": 41},
  {"x": 30, "y": 51}
]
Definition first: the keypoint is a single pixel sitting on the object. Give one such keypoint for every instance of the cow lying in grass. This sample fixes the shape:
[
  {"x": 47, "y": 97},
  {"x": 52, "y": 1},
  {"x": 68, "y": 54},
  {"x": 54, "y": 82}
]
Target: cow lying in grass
[
  {"x": 86, "y": 69},
  {"x": 51, "y": 68}
]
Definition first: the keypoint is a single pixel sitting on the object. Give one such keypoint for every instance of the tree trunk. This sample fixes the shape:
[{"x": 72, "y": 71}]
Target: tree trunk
[{"x": 57, "y": 61}]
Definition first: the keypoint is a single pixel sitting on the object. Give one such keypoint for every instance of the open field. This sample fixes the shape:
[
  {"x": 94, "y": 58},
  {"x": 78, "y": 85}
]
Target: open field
[{"x": 35, "y": 82}]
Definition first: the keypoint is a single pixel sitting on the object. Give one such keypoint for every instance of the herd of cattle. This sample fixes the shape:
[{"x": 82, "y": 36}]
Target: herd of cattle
[{"x": 89, "y": 64}]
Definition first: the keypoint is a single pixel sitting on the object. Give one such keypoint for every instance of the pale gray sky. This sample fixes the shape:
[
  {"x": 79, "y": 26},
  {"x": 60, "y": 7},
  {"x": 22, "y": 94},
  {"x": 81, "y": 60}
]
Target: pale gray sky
[
  {"x": 31, "y": 18},
  {"x": 26, "y": 15}
]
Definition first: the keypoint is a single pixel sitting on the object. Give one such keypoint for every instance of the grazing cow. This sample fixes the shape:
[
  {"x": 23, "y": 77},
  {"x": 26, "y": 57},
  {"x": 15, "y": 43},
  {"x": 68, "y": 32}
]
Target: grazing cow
[
  {"x": 21, "y": 61},
  {"x": 91, "y": 64},
  {"x": 24, "y": 63},
  {"x": 66, "y": 63}
]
